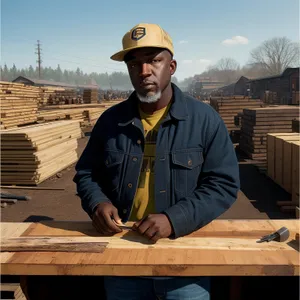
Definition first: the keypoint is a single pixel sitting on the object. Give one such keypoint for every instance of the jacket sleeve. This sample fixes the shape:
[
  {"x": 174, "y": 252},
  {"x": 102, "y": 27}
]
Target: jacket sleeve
[
  {"x": 218, "y": 185},
  {"x": 88, "y": 188}
]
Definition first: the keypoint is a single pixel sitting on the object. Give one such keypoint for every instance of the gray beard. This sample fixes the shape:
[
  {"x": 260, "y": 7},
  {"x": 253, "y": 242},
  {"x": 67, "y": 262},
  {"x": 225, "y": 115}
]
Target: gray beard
[{"x": 150, "y": 99}]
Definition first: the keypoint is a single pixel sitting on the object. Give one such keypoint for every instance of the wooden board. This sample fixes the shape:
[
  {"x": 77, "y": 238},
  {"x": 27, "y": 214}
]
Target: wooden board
[{"x": 223, "y": 247}]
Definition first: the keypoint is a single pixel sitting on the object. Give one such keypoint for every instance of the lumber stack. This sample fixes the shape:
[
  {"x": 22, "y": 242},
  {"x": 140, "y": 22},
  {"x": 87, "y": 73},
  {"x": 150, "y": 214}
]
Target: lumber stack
[
  {"x": 283, "y": 164},
  {"x": 31, "y": 154},
  {"x": 18, "y": 104},
  {"x": 60, "y": 114},
  {"x": 258, "y": 122},
  {"x": 87, "y": 114},
  {"x": 92, "y": 115},
  {"x": 58, "y": 95},
  {"x": 90, "y": 96},
  {"x": 229, "y": 108}
]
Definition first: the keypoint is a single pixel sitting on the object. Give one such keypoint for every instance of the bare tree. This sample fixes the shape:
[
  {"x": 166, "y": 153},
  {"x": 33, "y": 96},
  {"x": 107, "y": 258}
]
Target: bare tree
[
  {"x": 227, "y": 63},
  {"x": 276, "y": 54}
]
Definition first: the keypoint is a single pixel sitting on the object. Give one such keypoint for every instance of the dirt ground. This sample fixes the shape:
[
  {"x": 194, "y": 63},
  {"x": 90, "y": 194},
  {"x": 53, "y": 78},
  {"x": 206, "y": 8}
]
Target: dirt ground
[{"x": 256, "y": 200}]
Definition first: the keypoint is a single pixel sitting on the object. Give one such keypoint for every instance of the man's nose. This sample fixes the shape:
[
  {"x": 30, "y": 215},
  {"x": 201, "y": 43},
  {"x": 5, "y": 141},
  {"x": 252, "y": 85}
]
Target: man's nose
[{"x": 145, "y": 70}]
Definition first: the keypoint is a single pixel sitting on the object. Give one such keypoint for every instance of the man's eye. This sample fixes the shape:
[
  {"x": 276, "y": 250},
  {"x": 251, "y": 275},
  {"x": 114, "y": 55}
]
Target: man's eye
[{"x": 155, "y": 60}]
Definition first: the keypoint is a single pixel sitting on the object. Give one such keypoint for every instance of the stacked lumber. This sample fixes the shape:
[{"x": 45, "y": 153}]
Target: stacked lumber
[
  {"x": 31, "y": 154},
  {"x": 86, "y": 113},
  {"x": 18, "y": 104},
  {"x": 57, "y": 95},
  {"x": 283, "y": 164},
  {"x": 60, "y": 114},
  {"x": 258, "y": 122},
  {"x": 229, "y": 108},
  {"x": 90, "y": 96},
  {"x": 92, "y": 115},
  {"x": 69, "y": 106}
]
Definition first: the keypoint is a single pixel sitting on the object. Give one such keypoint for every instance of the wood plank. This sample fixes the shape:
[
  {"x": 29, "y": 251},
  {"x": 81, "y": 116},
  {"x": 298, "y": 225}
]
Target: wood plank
[{"x": 223, "y": 247}]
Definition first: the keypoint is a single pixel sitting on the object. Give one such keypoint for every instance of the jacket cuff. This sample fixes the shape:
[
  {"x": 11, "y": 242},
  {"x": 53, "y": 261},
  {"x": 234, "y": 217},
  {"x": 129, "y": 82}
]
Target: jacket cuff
[{"x": 178, "y": 219}]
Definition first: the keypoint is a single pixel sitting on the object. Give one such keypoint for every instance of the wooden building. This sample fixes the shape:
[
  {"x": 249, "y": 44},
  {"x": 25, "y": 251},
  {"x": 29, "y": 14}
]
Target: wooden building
[
  {"x": 279, "y": 89},
  {"x": 41, "y": 82},
  {"x": 239, "y": 88}
]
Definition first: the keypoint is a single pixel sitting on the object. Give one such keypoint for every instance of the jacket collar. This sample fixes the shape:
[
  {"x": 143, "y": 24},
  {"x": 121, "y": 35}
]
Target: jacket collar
[{"x": 178, "y": 108}]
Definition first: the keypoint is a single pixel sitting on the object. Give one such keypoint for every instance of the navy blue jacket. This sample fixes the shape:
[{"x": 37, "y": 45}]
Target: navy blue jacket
[{"x": 196, "y": 169}]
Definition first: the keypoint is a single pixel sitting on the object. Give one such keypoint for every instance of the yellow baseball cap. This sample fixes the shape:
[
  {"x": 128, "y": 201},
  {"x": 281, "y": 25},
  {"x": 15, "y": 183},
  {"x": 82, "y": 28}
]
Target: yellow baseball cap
[{"x": 144, "y": 35}]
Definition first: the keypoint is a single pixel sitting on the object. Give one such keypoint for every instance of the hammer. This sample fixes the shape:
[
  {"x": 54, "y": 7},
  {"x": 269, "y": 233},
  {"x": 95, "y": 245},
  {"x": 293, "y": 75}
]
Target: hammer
[{"x": 281, "y": 235}]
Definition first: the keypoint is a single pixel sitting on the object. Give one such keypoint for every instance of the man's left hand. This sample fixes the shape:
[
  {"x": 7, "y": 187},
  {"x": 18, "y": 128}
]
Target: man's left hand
[{"x": 154, "y": 227}]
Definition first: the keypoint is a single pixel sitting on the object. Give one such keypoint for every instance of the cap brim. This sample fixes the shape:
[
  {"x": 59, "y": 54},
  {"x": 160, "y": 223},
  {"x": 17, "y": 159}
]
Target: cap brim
[{"x": 119, "y": 56}]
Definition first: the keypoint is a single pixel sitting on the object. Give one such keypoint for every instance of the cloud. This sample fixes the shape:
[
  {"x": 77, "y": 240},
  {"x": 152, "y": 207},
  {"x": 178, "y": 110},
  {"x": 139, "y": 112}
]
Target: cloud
[
  {"x": 183, "y": 42},
  {"x": 187, "y": 61},
  {"x": 236, "y": 40},
  {"x": 203, "y": 61}
]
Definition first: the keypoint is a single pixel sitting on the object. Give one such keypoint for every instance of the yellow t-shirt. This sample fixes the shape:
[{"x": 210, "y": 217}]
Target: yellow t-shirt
[{"x": 144, "y": 200}]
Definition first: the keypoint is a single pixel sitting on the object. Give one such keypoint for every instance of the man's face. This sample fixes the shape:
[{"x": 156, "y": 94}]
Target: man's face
[{"x": 150, "y": 71}]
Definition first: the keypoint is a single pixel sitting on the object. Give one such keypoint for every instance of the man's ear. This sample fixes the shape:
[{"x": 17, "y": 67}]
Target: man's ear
[{"x": 173, "y": 66}]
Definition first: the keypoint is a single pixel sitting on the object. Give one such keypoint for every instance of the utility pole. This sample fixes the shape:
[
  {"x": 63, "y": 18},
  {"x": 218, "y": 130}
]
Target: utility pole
[{"x": 39, "y": 61}]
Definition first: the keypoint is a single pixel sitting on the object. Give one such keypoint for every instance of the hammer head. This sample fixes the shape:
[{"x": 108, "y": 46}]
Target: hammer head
[{"x": 282, "y": 234}]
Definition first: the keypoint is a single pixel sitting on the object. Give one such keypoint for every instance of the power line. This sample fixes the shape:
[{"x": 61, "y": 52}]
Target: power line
[{"x": 39, "y": 60}]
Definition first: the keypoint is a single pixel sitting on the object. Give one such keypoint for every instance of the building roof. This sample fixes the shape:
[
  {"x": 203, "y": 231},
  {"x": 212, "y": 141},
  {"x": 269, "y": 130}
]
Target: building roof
[
  {"x": 286, "y": 72},
  {"x": 55, "y": 83}
]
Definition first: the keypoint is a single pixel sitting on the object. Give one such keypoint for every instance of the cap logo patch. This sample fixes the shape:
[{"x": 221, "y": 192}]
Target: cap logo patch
[{"x": 138, "y": 33}]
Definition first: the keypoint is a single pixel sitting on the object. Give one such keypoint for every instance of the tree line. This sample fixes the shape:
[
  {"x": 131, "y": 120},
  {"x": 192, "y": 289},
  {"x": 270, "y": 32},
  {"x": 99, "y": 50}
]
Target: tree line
[{"x": 272, "y": 57}]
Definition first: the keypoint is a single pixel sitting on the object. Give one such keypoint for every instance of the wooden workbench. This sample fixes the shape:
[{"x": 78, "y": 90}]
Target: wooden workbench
[{"x": 223, "y": 247}]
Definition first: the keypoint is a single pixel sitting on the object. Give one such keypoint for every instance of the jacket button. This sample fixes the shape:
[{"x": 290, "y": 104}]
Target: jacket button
[
  {"x": 130, "y": 185},
  {"x": 190, "y": 162},
  {"x": 134, "y": 159},
  {"x": 139, "y": 142},
  {"x": 124, "y": 211}
]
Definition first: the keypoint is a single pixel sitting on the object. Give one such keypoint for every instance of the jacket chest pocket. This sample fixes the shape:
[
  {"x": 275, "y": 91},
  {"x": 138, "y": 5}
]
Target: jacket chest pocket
[
  {"x": 112, "y": 176},
  {"x": 186, "y": 169}
]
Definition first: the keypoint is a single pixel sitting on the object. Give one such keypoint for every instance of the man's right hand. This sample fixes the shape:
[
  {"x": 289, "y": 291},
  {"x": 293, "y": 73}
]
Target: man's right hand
[{"x": 105, "y": 219}]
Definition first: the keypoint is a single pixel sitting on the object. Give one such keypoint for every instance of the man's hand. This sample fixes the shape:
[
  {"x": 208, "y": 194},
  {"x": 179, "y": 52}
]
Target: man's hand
[
  {"x": 105, "y": 219},
  {"x": 154, "y": 227}
]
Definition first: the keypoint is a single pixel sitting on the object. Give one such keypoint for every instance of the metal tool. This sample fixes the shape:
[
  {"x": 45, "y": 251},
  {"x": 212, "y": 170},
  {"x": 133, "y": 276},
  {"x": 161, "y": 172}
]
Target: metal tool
[{"x": 281, "y": 235}]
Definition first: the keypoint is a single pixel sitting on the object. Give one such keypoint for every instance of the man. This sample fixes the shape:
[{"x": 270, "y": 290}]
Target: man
[{"x": 161, "y": 159}]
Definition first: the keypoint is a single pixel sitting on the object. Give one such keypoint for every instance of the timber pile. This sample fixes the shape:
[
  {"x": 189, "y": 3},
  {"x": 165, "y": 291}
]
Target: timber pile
[
  {"x": 19, "y": 104},
  {"x": 283, "y": 165},
  {"x": 258, "y": 122},
  {"x": 60, "y": 114},
  {"x": 87, "y": 114},
  {"x": 92, "y": 115},
  {"x": 229, "y": 108},
  {"x": 31, "y": 154},
  {"x": 90, "y": 96},
  {"x": 58, "y": 95}
]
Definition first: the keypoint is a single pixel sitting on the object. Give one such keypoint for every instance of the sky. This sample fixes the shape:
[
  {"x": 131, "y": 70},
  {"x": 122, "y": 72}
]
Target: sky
[{"x": 86, "y": 33}]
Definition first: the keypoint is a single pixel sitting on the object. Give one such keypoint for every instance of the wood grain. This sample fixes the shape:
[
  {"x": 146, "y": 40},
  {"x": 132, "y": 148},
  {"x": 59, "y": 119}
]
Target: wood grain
[{"x": 223, "y": 247}]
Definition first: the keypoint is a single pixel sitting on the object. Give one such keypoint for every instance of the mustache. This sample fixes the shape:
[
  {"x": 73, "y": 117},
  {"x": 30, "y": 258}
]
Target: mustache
[{"x": 147, "y": 82}]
